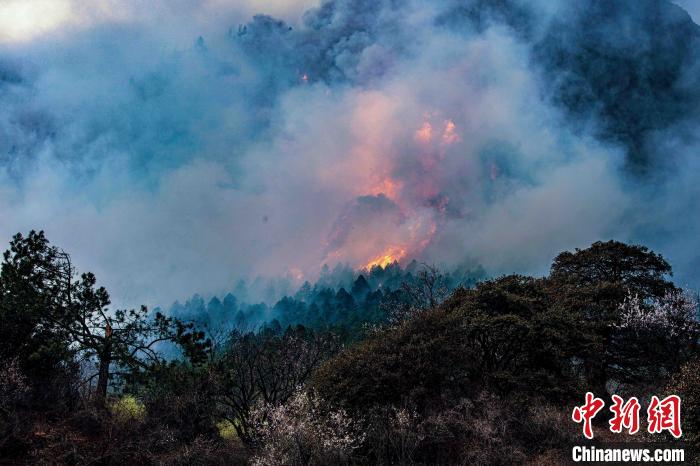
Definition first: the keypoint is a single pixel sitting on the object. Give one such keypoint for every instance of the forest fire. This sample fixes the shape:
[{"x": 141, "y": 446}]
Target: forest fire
[
  {"x": 349, "y": 232},
  {"x": 424, "y": 133},
  {"x": 449, "y": 135},
  {"x": 398, "y": 199},
  {"x": 391, "y": 255},
  {"x": 387, "y": 187}
]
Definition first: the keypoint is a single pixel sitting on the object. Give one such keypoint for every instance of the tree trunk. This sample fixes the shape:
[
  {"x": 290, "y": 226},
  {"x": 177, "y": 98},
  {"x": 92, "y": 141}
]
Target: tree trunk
[{"x": 103, "y": 376}]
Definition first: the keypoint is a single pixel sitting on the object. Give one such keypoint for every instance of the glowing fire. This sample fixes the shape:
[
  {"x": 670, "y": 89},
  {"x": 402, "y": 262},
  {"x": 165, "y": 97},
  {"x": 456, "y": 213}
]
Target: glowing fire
[
  {"x": 387, "y": 186},
  {"x": 391, "y": 255},
  {"x": 425, "y": 132},
  {"x": 450, "y": 136},
  {"x": 374, "y": 231},
  {"x": 296, "y": 273}
]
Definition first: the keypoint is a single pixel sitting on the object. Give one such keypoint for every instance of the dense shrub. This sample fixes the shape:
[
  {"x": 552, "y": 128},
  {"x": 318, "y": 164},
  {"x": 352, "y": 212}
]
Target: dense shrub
[
  {"x": 420, "y": 360},
  {"x": 181, "y": 399}
]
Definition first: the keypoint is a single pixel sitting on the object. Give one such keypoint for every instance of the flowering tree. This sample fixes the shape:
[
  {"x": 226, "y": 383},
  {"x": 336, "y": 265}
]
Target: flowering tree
[
  {"x": 305, "y": 430},
  {"x": 267, "y": 367},
  {"x": 674, "y": 314},
  {"x": 655, "y": 335}
]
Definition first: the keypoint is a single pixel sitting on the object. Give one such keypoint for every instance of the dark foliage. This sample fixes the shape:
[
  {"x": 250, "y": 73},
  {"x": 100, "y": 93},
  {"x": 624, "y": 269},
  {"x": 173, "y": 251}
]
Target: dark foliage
[{"x": 429, "y": 374}]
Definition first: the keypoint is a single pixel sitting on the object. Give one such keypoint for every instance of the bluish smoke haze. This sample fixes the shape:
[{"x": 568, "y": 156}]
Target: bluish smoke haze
[{"x": 180, "y": 148}]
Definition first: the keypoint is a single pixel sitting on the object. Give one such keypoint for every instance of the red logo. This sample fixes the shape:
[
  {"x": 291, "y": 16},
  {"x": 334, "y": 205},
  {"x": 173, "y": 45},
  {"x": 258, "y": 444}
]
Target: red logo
[
  {"x": 625, "y": 415},
  {"x": 587, "y": 412},
  {"x": 662, "y": 415},
  {"x": 665, "y": 415}
]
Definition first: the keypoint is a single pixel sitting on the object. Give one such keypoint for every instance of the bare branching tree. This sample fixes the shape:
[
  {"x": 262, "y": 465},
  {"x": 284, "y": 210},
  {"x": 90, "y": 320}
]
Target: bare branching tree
[
  {"x": 427, "y": 290},
  {"x": 267, "y": 367}
]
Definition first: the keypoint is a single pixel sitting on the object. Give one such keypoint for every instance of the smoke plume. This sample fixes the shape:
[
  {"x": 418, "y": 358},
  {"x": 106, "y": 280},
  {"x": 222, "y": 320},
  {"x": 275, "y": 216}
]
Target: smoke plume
[{"x": 175, "y": 149}]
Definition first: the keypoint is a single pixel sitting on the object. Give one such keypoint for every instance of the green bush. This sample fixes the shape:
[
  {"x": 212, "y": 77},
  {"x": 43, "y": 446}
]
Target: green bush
[{"x": 128, "y": 408}]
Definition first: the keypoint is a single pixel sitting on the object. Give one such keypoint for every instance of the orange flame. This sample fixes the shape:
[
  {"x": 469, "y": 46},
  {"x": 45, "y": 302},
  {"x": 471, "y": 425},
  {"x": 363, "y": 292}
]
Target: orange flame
[
  {"x": 418, "y": 199},
  {"x": 387, "y": 186},
  {"x": 389, "y": 256}
]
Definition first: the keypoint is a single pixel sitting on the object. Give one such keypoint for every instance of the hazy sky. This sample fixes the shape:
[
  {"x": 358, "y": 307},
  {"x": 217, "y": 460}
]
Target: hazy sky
[
  {"x": 23, "y": 20},
  {"x": 692, "y": 7},
  {"x": 26, "y": 20}
]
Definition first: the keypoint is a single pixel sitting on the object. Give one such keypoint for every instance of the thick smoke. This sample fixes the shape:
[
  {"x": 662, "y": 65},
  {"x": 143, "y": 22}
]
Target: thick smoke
[{"x": 173, "y": 151}]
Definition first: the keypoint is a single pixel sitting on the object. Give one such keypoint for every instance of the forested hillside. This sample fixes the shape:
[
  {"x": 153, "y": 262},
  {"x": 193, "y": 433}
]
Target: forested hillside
[
  {"x": 482, "y": 374},
  {"x": 346, "y": 299}
]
